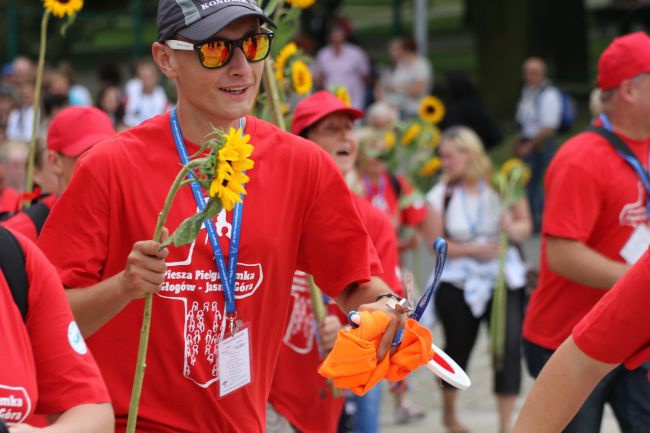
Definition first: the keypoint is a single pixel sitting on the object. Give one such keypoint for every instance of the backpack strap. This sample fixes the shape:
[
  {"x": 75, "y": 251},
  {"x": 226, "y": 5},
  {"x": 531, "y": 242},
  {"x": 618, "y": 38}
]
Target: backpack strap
[
  {"x": 395, "y": 184},
  {"x": 12, "y": 263},
  {"x": 38, "y": 213},
  {"x": 449, "y": 192}
]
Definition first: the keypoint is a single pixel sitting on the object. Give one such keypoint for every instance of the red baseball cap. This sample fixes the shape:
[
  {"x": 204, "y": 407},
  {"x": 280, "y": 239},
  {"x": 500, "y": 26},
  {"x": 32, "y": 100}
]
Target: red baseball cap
[
  {"x": 626, "y": 57},
  {"x": 320, "y": 104},
  {"x": 76, "y": 129}
]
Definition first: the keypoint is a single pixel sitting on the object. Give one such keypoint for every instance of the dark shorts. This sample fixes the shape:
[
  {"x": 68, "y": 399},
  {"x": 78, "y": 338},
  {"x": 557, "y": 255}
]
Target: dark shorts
[{"x": 627, "y": 392}]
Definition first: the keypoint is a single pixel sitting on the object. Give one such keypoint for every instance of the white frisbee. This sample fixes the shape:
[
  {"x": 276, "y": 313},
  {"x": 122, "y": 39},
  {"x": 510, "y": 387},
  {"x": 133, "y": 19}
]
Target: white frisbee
[{"x": 446, "y": 369}]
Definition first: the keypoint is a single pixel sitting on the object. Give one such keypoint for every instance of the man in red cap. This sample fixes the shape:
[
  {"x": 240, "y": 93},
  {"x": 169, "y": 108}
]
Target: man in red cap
[
  {"x": 299, "y": 394},
  {"x": 295, "y": 216},
  {"x": 72, "y": 131},
  {"x": 595, "y": 225}
]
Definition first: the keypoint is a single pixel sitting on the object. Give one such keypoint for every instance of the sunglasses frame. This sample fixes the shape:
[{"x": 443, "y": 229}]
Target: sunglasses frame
[{"x": 175, "y": 44}]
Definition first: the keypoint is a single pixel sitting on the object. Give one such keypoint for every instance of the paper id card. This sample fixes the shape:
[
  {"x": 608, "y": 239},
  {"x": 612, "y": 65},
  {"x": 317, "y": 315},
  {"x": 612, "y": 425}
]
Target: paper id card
[
  {"x": 637, "y": 245},
  {"x": 234, "y": 362}
]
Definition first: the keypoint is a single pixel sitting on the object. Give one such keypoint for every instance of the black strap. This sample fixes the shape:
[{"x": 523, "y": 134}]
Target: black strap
[
  {"x": 449, "y": 192},
  {"x": 395, "y": 184},
  {"x": 38, "y": 213},
  {"x": 12, "y": 263},
  {"x": 615, "y": 141}
]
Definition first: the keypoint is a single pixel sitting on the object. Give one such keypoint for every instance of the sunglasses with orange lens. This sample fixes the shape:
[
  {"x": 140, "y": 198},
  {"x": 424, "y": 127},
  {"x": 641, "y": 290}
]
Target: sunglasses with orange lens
[{"x": 216, "y": 53}]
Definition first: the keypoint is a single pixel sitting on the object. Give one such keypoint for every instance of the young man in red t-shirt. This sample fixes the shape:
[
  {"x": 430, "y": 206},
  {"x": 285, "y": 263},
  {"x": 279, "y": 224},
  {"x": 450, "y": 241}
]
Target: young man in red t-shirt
[
  {"x": 616, "y": 331},
  {"x": 297, "y": 214},
  {"x": 595, "y": 224},
  {"x": 46, "y": 366},
  {"x": 299, "y": 393}
]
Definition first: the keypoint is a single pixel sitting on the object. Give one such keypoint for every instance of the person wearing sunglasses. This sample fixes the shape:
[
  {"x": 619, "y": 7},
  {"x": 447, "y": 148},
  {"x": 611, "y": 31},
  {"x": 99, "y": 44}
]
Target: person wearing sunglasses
[{"x": 297, "y": 214}]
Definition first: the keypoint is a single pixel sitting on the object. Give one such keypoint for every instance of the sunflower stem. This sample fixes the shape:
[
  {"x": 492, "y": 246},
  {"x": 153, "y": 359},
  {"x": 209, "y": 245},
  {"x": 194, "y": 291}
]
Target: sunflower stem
[
  {"x": 37, "y": 103},
  {"x": 271, "y": 86},
  {"x": 136, "y": 392}
]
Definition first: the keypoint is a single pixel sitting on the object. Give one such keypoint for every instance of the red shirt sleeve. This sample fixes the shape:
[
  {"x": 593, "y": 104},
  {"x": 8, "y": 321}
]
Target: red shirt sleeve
[
  {"x": 618, "y": 327},
  {"x": 67, "y": 375},
  {"x": 84, "y": 202},
  {"x": 572, "y": 201},
  {"x": 335, "y": 247}
]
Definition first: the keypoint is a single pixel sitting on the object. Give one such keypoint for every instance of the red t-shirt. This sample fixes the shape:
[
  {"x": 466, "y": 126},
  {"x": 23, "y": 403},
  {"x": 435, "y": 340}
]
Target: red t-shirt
[
  {"x": 23, "y": 224},
  {"x": 592, "y": 196},
  {"x": 9, "y": 200},
  {"x": 297, "y": 215},
  {"x": 298, "y": 392},
  {"x": 46, "y": 366},
  {"x": 617, "y": 329},
  {"x": 383, "y": 196}
]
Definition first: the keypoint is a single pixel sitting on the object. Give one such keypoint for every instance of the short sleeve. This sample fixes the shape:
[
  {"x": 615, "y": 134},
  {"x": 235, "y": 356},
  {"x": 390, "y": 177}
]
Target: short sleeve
[
  {"x": 416, "y": 212},
  {"x": 573, "y": 197},
  {"x": 84, "y": 202},
  {"x": 67, "y": 374},
  {"x": 435, "y": 197},
  {"x": 335, "y": 247},
  {"x": 618, "y": 327},
  {"x": 551, "y": 108}
]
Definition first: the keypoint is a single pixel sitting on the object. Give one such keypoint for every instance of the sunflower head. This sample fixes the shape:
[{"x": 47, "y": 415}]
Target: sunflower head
[
  {"x": 301, "y": 77},
  {"x": 233, "y": 161},
  {"x": 430, "y": 167},
  {"x": 61, "y": 8},
  {"x": 516, "y": 167},
  {"x": 301, "y": 4},
  {"x": 432, "y": 109},
  {"x": 342, "y": 93},
  {"x": 411, "y": 134},
  {"x": 286, "y": 53},
  {"x": 389, "y": 138}
]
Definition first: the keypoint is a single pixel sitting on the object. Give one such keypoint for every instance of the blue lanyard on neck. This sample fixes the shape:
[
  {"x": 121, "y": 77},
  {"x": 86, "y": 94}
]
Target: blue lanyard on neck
[
  {"x": 473, "y": 226},
  {"x": 226, "y": 274},
  {"x": 641, "y": 172}
]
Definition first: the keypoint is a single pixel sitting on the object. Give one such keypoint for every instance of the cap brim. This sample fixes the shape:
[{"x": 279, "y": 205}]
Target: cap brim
[
  {"x": 81, "y": 146},
  {"x": 208, "y": 26}
]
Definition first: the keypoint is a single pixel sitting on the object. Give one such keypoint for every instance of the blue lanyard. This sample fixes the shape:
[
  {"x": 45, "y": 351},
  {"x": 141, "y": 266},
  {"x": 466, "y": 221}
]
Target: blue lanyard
[
  {"x": 227, "y": 275},
  {"x": 634, "y": 162},
  {"x": 473, "y": 226}
]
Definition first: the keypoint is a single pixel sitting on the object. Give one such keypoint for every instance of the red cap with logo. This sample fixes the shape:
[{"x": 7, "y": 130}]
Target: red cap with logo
[
  {"x": 626, "y": 57},
  {"x": 76, "y": 129},
  {"x": 320, "y": 104}
]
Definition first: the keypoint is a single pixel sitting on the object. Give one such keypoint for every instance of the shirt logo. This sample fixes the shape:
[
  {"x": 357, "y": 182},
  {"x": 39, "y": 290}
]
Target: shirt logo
[
  {"x": 15, "y": 405},
  {"x": 76, "y": 340}
]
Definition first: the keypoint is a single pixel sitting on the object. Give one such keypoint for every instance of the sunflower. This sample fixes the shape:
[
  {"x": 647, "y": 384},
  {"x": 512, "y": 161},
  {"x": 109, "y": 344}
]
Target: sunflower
[
  {"x": 411, "y": 134},
  {"x": 389, "y": 138},
  {"x": 301, "y": 77},
  {"x": 60, "y": 8},
  {"x": 342, "y": 93},
  {"x": 431, "y": 109},
  {"x": 430, "y": 167},
  {"x": 281, "y": 62},
  {"x": 513, "y": 164},
  {"x": 301, "y": 4},
  {"x": 234, "y": 159}
]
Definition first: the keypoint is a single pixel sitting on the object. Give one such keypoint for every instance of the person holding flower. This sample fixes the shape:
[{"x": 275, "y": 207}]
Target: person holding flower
[
  {"x": 299, "y": 393},
  {"x": 296, "y": 213},
  {"x": 468, "y": 212}
]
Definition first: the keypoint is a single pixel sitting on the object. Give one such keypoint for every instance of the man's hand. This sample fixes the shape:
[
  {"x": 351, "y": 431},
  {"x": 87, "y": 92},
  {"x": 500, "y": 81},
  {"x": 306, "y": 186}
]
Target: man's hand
[
  {"x": 396, "y": 323},
  {"x": 488, "y": 251},
  {"x": 328, "y": 329},
  {"x": 145, "y": 268}
]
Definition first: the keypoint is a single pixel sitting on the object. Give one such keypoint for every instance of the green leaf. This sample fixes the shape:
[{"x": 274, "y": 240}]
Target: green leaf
[{"x": 189, "y": 229}]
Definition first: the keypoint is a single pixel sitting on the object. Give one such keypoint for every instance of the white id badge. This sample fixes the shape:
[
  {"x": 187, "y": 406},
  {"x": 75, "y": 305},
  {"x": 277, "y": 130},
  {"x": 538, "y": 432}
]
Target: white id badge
[
  {"x": 234, "y": 362},
  {"x": 637, "y": 245}
]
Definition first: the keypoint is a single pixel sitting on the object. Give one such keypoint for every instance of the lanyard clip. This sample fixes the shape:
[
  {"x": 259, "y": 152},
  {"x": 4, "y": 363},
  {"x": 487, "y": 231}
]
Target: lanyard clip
[{"x": 233, "y": 323}]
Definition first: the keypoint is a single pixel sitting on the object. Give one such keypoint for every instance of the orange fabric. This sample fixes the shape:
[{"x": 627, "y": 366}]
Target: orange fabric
[{"x": 352, "y": 363}]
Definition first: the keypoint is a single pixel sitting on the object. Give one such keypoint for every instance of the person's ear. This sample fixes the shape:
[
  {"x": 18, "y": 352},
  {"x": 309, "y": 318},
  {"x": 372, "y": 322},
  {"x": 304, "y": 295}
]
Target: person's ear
[
  {"x": 54, "y": 162},
  {"x": 165, "y": 59}
]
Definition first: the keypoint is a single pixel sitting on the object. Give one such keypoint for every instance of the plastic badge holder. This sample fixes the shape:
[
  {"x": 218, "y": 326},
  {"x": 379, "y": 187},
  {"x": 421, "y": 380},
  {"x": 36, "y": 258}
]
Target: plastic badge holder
[{"x": 446, "y": 369}]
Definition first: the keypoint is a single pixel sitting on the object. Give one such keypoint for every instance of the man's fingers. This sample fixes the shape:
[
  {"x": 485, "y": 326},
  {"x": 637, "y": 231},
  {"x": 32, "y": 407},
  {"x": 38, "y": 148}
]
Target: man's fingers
[{"x": 386, "y": 341}]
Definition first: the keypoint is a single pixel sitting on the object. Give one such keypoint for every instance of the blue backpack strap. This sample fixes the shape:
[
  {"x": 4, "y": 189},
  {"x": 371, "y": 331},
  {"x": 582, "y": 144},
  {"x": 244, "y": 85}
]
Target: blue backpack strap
[{"x": 12, "y": 263}]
